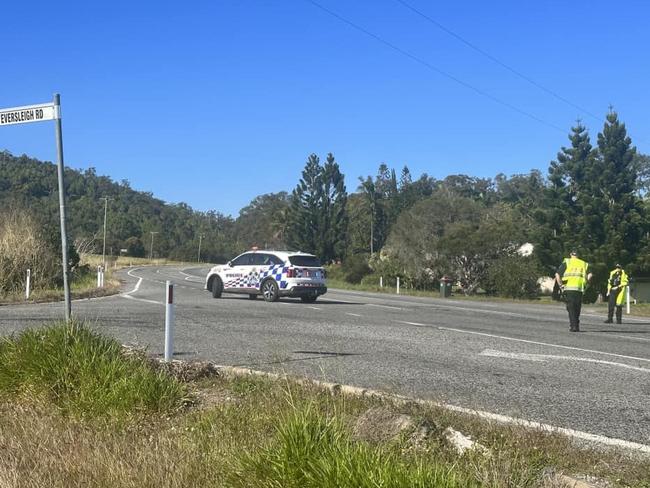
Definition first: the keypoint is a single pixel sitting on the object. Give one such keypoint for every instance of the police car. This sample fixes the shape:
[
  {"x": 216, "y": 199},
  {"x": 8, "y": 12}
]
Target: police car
[{"x": 272, "y": 274}]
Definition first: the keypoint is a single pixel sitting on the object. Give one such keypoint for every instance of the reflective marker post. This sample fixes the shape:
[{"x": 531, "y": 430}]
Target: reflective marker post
[
  {"x": 39, "y": 113},
  {"x": 169, "y": 322},
  {"x": 28, "y": 284},
  {"x": 398, "y": 285},
  {"x": 627, "y": 289}
]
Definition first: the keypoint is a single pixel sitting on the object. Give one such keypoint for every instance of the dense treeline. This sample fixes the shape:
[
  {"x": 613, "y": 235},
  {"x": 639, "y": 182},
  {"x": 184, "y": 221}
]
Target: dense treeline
[{"x": 468, "y": 228}]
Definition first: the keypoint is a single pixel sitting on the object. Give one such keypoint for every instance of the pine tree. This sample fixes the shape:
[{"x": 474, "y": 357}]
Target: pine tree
[
  {"x": 317, "y": 218},
  {"x": 614, "y": 185},
  {"x": 562, "y": 224},
  {"x": 333, "y": 222},
  {"x": 302, "y": 218}
]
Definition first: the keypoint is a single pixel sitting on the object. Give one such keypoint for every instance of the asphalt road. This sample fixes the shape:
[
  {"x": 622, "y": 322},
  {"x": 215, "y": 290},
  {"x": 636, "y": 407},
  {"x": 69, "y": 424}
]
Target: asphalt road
[{"x": 512, "y": 359}]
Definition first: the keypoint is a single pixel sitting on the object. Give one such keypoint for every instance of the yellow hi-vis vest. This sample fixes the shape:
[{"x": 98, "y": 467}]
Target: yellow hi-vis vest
[
  {"x": 575, "y": 275},
  {"x": 620, "y": 298}
]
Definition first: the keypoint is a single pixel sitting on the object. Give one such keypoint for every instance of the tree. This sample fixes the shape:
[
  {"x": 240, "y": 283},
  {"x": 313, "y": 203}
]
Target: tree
[
  {"x": 562, "y": 221},
  {"x": 333, "y": 221},
  {"x": 593, "y": 203},
  {"x": 302, "y": 218},
  {"x": 316, "y": 217},
  {"x": 262, "y": 222},
  {"x": 134, "y": 247},
  {"x": 614, "y": 186}
]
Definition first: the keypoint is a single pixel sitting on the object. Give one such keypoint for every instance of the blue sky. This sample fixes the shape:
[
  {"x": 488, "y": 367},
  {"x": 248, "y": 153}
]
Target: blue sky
[{"x": 214, "y": 103}]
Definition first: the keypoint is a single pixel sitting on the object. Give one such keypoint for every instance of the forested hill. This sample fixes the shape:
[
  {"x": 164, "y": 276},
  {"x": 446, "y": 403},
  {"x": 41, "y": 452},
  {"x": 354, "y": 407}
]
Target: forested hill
[{"x": 132, "y": 215}]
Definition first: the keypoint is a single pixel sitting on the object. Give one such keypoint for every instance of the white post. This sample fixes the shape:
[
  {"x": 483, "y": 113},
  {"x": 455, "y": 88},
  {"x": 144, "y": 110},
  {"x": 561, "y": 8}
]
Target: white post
[
  {"x": 28, "y": 284},
  {"x": 169, "y": 322},
  {"x": 627, "y": 289},
  {"x": 102, "y": 275},
  {"x": 398, "y": 285},
  {"x": 381, "y": 282},
  {"x": 99, "y": 276}
]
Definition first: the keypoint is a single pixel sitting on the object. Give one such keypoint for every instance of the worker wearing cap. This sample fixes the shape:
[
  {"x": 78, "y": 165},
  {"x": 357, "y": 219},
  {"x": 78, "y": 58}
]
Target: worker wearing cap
[
  {"x": 572, "y": 277},
  {"x": 616, "y": 288}
]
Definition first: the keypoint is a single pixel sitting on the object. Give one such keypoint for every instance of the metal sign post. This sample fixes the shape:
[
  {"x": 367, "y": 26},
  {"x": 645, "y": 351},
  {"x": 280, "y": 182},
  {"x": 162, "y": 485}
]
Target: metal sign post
[{"x": 39, "y": 113}]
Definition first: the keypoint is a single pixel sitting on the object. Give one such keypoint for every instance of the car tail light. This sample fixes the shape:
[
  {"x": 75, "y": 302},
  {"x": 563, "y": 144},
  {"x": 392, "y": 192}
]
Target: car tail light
[{"x": 291, "y": 273}]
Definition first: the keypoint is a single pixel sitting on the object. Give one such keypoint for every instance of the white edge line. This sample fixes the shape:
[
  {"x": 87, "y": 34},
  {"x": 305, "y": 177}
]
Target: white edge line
[
  {"x": 142, "y": 300},
  {"x": 383, "y": 306},
  {"x": 502, "y": 419},
  {"x": 411, "y": 323},
  {"x": 353, "y": 314}
]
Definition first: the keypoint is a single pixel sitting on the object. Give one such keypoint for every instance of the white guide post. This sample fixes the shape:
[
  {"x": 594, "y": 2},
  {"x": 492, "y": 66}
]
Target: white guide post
[
  {"x": 169, "y": 322},
  {"x": 398, "y": 285},
  {"x": 28, "y": 284},
  {"x": 381, "y": 282},
  {"x": 627, "y": 292}
]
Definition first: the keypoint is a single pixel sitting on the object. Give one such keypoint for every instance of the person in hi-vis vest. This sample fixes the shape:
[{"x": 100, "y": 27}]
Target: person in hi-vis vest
[
  {"x": 616, "y": 289},
  {"x": 572, "y": 277}
]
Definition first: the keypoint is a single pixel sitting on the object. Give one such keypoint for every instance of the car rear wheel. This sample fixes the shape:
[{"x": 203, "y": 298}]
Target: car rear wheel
[
  {"x": 217, "y": 287},
  {"x": 308, "y": 299},
  {"x": 270, "y": 291}
]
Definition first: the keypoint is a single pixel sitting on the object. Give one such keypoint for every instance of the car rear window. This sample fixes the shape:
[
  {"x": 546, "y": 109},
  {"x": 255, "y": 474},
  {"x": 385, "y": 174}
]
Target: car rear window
[{"x": 309, "y": 261}]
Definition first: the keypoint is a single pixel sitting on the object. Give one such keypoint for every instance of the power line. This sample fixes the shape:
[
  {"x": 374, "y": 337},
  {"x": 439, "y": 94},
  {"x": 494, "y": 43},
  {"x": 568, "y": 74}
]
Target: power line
[
  {"x": 497, "y": 61},
  {"x": 436, "y": 69}
]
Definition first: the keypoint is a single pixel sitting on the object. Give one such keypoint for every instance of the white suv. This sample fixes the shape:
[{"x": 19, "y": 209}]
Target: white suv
[{"x": 271, "y": 274}]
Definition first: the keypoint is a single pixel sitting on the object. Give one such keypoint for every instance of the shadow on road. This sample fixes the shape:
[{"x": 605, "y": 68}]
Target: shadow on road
[{"x": 313, "y": 355}]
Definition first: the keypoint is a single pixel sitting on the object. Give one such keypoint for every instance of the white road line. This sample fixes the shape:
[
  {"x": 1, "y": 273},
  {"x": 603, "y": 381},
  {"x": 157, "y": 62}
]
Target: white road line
[
  {"x": 137, "y": 285},
  {"x": 544, "y": 357},
  {"x": 353, "y": 314},
  {"x": 412, "y": 323},
  {"x": 315, "y": 308},
  {"x": 383, "y": 306},
  {"x": 571, "y": 348},
  {"x": 142, "y": 299}
]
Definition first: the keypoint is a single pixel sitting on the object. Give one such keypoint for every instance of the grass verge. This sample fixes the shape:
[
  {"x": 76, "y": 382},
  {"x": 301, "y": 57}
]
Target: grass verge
[{"x": 244, "y": 431}]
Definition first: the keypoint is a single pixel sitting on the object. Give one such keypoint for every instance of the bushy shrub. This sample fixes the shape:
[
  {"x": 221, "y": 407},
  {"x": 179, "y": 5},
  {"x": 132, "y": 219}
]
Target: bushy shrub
[
  {"x": 355, "y": 268},
  {"x": 513, "y": 276},
  {"x": 82, "y": 373},
  {"x": 22, "y": 247}
]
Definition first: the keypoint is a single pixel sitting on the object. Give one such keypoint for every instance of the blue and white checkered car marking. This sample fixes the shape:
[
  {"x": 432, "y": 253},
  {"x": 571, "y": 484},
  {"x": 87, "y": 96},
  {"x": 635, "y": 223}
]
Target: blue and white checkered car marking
[
  {"x": 278, "y": 272},
  {"x": 254, "y": 278}
]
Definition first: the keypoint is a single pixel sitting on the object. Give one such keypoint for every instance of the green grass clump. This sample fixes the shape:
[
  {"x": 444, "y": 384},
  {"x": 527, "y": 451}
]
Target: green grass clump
[
  {"x": 82, "y": 373},
  {"x": 315, "y": 451}
]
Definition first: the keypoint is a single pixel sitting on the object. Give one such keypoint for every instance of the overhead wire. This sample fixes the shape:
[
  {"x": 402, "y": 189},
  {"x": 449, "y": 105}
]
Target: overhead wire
[
  {"x": 498, "y": 61},
  {"x": 435, "y": 68}
]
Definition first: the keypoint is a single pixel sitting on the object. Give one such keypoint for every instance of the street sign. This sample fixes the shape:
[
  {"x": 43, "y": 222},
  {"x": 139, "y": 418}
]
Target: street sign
[
  {"x": 38, "y": 113},
  {"x": 29, "y": 113}
]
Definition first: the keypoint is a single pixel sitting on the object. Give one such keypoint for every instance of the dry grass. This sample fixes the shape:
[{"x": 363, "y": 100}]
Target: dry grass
[
  {"x": 22, "y": 248},
  {"x": 238, "y": 420}
]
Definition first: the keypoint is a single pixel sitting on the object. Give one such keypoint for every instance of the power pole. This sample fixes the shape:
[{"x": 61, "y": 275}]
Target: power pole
[
  {"x": 106, "y": 199},
  {"x": 198, "y": 260},
  {"x": 151, "y": 249}
]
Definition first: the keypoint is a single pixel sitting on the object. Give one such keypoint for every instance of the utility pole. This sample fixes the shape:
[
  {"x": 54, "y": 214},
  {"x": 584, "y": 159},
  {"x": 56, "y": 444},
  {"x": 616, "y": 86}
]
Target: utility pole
[
  {"x": 198, "y": 260},
  {"x": 151, "y": 249},
  {"x": 106, "y": 199}
]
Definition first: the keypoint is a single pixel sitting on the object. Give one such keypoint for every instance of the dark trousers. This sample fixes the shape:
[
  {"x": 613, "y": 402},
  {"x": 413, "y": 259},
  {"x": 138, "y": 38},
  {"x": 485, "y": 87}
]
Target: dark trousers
[
  {"x": 573, "y": 306},
  {"x": 611, "y": 305}
]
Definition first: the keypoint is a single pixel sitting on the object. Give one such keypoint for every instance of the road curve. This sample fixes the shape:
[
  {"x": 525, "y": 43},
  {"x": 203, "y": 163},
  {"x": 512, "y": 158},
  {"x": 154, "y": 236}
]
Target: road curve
[{"x": 512, "y": 359}]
